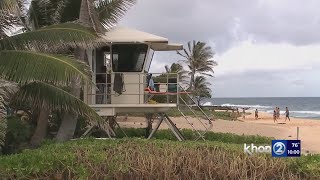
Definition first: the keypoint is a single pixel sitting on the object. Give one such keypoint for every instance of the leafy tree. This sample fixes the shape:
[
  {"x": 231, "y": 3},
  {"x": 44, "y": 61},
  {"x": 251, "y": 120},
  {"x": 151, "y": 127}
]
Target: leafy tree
[{"x": 198, "y": 57}]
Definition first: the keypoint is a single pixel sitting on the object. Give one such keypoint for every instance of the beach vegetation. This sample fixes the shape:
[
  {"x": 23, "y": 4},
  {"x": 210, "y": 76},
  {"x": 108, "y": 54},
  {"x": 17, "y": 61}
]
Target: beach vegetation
[
  {"x": 174, "y": 112},
  {"x": 136, "y": 158},
  {"x": 166, "y": 134}
]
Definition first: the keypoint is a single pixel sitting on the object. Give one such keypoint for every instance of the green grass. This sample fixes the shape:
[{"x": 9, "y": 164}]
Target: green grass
[
  {"x": 173, "y": 112},
  {"x": 188, "y": 134},
  {"x": 309, "y": 164}
]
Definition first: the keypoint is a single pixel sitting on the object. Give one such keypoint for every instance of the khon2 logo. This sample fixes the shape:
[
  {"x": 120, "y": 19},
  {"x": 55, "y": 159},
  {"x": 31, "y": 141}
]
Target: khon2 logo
[
  {"x": 279, "y": 148},
  {"x": 286, "y": 148}
]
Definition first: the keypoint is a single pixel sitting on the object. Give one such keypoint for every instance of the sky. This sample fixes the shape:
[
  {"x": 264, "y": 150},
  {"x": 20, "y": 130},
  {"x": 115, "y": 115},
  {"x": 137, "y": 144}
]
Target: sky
[{"x": 264, "y": 48}]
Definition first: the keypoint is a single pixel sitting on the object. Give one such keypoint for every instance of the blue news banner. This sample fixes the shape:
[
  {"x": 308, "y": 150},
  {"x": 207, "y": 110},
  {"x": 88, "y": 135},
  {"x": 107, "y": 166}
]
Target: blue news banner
[{"x": 286, "y": 148}]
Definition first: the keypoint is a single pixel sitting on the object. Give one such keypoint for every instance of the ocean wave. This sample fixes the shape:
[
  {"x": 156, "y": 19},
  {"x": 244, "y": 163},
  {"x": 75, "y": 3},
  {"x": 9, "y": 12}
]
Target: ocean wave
[
  {"x": 307, "y": 112},
  {"x": 300, "y": 114},
  {"x": 247, "y": 106},
  {"x": 208, "y": 104}
]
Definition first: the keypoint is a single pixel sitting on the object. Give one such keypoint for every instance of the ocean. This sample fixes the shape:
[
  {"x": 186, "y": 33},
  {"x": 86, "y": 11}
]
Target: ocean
[{"x": 300, "y": 107}]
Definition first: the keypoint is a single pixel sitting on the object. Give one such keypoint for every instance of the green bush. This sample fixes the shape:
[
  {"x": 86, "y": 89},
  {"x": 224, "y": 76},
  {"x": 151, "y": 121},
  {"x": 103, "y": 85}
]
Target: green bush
[{"x": 18, "y": 135}]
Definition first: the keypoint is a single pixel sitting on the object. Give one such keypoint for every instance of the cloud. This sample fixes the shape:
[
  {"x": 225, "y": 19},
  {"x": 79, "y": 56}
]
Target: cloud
[
  {"x": 272, "y": 44},
  {"x": 252, "y": 70},
  {"x": 268, "y": 57},
  {"x": 298, "y": 82},
  {"x": 291, "y": 21},
  {"x": 222, "y": 23}
]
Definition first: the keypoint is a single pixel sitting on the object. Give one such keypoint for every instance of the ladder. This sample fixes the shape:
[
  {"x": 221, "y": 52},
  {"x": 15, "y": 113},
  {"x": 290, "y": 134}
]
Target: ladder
[
  {"x": 199, "y": 134},
  {"x": 200, "y": 118}
]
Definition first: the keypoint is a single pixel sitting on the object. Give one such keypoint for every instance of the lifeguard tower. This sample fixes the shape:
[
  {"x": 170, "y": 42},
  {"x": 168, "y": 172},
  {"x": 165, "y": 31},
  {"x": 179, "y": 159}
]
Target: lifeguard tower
[{"x": 121, "y": 74}]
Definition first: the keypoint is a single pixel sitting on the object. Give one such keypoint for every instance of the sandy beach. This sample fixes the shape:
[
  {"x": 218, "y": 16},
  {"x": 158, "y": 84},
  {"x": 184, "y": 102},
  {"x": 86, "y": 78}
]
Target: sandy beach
[{"x": 309, "y": 130}]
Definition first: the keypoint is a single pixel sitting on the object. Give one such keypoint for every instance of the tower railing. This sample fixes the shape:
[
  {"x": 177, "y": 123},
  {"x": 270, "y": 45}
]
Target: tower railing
[{"x": 167, "y": 89}]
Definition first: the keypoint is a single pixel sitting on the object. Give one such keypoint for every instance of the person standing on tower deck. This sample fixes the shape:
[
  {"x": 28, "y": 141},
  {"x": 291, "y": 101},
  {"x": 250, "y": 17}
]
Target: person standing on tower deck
[{"x": 287, "y": 114}]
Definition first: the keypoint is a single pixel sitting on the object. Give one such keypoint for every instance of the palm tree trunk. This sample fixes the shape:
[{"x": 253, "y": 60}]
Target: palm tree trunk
[
  {"x": 69, "y": 120},
  {"x": 191, "y": 86},
  {"x": 42, "y": 126},
  {"x": 192, "y": 80},
  {"x": 87, "y": 17}
]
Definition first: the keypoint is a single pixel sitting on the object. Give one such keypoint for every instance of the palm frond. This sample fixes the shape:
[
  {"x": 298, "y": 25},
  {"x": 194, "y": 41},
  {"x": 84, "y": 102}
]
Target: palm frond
[
  {"x": 9, "y": 18},
  {"x": 6, "y": 89},
  {"x": 183, "y": 55},
  {"x": 167, "y": 69},
  {"x": 61, "y": 5},
  {"x": 198, "y": 57},
  {"x": 53, "y": 38},
  {"x": 39, "y": 93},
  {"x": 46, "y": 12},
  {"x": 110, "y": 11},
  {"x": 206, "y": 74},
  {"x": 201, "y": 87},
  {"x": 38, "y": 13},
  {"x": 8, "y": 5},
  {"x": 25, "y": 66}
]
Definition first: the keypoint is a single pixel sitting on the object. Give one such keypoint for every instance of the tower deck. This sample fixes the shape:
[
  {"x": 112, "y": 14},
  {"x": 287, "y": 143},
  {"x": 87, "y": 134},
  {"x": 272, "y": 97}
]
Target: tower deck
[{"x": 112, "y": 109}]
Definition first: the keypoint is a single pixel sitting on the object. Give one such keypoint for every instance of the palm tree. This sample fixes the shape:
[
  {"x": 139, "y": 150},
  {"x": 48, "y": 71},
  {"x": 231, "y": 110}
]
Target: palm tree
[
  {"x": 201, "y": 89},
  {"x": 177, "y": 68},
  {"x": 99, "y": 15},
  {"x": 198, "y": 59},
  {"x": 27, "y": 59}
]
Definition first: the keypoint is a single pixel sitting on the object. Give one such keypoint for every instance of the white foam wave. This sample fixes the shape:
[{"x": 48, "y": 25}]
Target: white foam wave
[
  {"x": 300, "y": 114},
  {"x": 281, "y": 112},
  {"x": 247, "y": 106},
  {"x": 208, "y": 104},
  {"x": 307, "y": 112}
]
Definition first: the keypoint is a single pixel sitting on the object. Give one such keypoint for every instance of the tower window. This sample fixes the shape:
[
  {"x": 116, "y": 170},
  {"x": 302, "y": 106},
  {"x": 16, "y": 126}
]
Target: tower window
[{"x": 128, "y": 57}]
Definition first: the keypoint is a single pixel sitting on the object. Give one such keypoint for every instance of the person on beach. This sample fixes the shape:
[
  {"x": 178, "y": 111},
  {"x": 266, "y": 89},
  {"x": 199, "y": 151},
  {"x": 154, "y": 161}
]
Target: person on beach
[
  {"x": 238, "y": 113},
  {"x": 232, "y": 115},
  {"x": 278, "y": 113},
  {"x": 243, "y": 113},
  {"x": 287, "y": 114},
  {"x": 274, "y": 116},
  {"x": 256, "y": 114}
]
